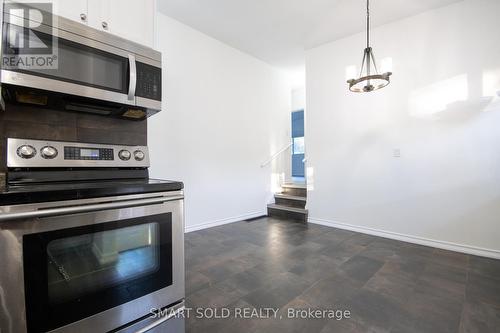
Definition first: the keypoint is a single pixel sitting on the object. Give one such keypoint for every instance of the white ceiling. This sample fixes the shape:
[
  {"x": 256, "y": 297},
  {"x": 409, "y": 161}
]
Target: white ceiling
[{"x": 278, "y": 31}]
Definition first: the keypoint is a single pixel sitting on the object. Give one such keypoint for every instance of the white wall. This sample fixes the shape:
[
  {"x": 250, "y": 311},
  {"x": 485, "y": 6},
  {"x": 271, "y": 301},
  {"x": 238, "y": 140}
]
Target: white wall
[
  {"x": 441, "y": 110},
  {"x": 298, "y": 99},
  {"x": 224, "y": 113}
]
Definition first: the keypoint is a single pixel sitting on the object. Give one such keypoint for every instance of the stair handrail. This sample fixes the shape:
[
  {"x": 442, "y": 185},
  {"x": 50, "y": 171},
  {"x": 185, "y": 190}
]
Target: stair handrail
[{"x": 274, "y": 156}]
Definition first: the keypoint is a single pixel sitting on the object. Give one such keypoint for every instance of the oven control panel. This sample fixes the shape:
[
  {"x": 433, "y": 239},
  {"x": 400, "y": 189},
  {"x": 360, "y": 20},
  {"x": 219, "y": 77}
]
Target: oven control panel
[
  {"x": 94, "y": 154},
  {"x": 26, "y": 153}
]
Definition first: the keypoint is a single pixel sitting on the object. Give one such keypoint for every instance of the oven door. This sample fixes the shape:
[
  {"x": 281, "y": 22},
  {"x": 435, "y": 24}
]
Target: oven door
[{"x": 91, "y": 266}]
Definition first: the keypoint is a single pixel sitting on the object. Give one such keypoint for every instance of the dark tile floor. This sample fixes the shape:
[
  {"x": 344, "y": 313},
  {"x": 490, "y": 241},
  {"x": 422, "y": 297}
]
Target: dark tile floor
[{"x": 388, "y": 286}]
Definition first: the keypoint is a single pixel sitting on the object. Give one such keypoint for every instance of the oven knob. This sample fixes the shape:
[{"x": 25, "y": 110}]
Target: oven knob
[
  {"x": 124, "y": 155},
  {"x": 138, "y": 155},
  {"x": 26, "y": 151},
  {"x": 49, "y": 152}
]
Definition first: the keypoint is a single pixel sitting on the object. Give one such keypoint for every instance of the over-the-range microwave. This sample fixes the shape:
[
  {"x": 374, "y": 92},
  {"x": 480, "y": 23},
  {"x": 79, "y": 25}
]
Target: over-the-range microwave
[{"x": 53, "y": 62}]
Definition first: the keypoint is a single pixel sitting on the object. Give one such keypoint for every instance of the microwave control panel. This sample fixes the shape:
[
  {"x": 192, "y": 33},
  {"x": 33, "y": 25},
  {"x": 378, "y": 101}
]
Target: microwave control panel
[{"x": 148, "y": 81}]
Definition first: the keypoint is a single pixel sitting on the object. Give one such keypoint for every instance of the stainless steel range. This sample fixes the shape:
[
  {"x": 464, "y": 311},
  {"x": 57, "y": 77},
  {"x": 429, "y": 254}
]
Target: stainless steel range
[{"x": 88, "y": 243}]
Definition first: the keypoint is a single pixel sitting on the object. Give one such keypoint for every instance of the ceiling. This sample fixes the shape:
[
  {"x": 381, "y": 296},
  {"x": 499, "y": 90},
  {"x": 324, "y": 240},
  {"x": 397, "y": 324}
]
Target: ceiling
[{"x": 278, "y": 31}]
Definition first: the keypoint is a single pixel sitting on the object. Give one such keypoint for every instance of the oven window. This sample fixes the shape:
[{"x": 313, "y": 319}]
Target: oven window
[
  {"x": 74, "y": 273},
  {"x": 85, "y": 264}
]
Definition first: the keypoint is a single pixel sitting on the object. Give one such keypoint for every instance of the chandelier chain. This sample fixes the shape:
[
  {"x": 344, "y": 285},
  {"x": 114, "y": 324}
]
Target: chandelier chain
[{"x": 367, "y": 23}]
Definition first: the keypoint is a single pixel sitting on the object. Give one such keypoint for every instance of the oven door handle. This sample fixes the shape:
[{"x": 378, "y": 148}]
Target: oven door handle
[
  {"x": 86, "y": 208},
  {"x": 133, "y": 77},
  {"x": 160, "y": 321}
]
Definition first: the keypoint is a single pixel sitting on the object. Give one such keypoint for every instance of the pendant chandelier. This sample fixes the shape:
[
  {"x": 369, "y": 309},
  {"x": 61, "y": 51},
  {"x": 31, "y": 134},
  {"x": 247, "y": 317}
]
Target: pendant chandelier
[{"x": 369, "y": 78}]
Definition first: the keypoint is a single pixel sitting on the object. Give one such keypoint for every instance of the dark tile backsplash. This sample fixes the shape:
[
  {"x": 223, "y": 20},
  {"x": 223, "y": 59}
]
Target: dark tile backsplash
[{"x": 36, "y": 123}]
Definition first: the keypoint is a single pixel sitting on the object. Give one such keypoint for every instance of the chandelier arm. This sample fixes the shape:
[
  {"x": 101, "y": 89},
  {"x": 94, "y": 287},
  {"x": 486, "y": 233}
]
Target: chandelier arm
[{"x": 368, "y": 59}]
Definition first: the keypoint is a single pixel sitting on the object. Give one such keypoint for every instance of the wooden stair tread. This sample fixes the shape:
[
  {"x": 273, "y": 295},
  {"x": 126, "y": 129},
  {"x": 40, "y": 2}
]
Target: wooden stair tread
[
  {"x": 290, "y": 197},
  {"x": 290, "y": 185},
  {"x": 287, "y": 208}
]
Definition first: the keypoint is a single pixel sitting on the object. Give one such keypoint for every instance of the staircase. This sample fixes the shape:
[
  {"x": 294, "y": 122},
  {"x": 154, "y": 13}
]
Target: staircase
[{"x": 291, "y": 203}]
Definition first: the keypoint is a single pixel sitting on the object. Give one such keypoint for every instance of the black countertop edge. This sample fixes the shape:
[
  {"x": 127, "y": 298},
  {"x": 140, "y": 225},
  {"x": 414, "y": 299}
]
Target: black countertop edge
[{"x": 17, "y": 197}]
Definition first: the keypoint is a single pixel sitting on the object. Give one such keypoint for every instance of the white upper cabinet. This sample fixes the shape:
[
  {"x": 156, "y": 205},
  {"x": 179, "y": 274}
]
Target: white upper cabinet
[
  {"x": 130, "y": 19},
  {"x": 75, "y": 10}
]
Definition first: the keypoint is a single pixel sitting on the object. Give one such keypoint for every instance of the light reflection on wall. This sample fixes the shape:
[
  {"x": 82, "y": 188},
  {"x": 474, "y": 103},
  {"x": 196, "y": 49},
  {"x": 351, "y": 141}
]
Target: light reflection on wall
[
  {"x": 277, "y": 179},
  {"x": 310, "y": 178},
  {"x": 491, "y": 83},
  {"x": 385, "y": 65},
  {"x": 428, "y": 101},
  {"x": 351, "y": 72}
]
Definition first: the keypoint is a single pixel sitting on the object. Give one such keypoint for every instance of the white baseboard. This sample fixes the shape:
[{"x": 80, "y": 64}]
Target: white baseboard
[
  {"x": 467, "y": 249},
  {"x": 220, "y": 222}
]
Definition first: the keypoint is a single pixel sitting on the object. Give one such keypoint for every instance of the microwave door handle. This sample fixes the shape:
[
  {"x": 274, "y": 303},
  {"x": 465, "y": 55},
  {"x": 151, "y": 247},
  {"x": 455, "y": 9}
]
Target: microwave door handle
[{"x": 133, "y": 77}]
